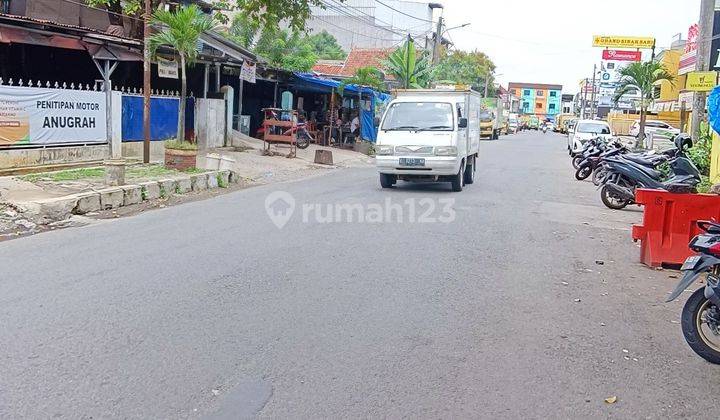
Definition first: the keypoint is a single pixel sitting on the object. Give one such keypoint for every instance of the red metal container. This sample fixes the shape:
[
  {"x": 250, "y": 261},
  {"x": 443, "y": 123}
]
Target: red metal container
[{"x": 669, "y": 223}]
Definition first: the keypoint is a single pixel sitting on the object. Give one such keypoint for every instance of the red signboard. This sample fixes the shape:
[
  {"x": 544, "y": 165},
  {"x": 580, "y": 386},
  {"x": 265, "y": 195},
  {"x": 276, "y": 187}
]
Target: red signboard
[
  {"x": 691, "y": 44},
  {"x": 618, "y": 55}
]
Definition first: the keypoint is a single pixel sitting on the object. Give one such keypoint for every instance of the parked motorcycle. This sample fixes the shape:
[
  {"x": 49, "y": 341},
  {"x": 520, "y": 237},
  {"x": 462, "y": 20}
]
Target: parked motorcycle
[
  {"x": 701, "y": 313},
  {"x": 650, "y": 160},
  {"x": 579, "y": 156},
  {"x": 624, "y": 175}
]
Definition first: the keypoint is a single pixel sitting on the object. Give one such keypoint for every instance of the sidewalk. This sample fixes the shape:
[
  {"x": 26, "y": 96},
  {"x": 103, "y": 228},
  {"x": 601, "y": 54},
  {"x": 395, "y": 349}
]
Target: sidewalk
[{"x": 36, "y": 202}]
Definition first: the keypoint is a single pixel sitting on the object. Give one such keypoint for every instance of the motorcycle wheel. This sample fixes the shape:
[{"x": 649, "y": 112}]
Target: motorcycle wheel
[
  {"x": 583, "y": 173},
  {"x": 577, "y": 161},
  {"x": 302, "y": 142},
  {"x": 598, "y": 176},
  {"x": 700, "y": 322},
  {"x": 610, "y": 201}
]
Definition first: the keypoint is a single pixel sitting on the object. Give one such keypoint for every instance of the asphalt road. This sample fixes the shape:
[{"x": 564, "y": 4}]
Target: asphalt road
[{"x": 208, "y": 310}]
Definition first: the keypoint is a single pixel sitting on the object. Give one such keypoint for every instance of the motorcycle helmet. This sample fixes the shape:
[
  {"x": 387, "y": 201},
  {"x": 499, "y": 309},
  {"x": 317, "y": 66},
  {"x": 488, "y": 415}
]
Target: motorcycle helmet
[{"x": 683, "y": 141}]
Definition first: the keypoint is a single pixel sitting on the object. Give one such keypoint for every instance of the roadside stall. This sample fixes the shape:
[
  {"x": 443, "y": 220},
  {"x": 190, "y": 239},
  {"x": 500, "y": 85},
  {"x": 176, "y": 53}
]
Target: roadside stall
[{"x": 337, "y": 119}]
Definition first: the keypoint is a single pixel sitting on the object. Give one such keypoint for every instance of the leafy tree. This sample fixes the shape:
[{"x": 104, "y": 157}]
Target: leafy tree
[
  {"x": 286, "y": 49},
  {"x": 467, "y": 68},
  {"x": 364, "y": 76},
  {"x": 410, "y": 68},
  {"x": 326, "y": 46},
  {"x": 642, "y": 77},
  {"x": 181, "y": 30}
]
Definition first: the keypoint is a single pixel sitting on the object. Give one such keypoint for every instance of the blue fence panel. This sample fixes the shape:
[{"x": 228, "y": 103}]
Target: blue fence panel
[{"x": 163, "y": 118}]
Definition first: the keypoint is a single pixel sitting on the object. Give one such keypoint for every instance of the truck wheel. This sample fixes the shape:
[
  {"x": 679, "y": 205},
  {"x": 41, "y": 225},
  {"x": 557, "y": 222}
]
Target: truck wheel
[
  {"x": 470, "y": 171},
  {"x": 457, "y": 181},
  {"x": 387, "y": 180}
]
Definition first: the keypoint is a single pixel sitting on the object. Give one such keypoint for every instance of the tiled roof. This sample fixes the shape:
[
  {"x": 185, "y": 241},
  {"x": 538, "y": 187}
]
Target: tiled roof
[{"x": 358, "y": 58}]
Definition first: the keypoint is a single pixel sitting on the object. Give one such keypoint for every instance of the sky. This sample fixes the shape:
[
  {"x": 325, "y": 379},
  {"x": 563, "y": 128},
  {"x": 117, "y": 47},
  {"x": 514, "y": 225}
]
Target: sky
[{"x": 550, "y": 41}]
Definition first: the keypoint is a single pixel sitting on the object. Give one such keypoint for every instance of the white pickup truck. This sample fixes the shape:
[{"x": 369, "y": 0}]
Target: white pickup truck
[{"x": 429, "y": 135}]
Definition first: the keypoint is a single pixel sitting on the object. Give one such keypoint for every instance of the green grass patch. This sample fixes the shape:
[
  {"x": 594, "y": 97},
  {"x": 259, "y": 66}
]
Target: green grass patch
[
  {"x": 66, "y": 175},
  {"x": 177, "y": 145},
  {"x": 149, "y": 171}
]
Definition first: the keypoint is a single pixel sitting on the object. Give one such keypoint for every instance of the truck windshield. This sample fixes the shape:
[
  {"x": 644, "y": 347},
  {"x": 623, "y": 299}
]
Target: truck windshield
[
  {"x": 486, "y": 116},
  {"x": 596, "y": 128},
  {"x": 413, "y": 116}
]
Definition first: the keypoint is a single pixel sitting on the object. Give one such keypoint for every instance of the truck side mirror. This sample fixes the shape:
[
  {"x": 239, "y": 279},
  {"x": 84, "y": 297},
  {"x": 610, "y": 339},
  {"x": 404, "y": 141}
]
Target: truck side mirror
[{"x": 462, "y": 123}]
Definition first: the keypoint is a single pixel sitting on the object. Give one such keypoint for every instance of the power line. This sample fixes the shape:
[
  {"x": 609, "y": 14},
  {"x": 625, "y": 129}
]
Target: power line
[
  {"x": 360, "y": 19},
  {"x": 373, "y": 18},
  {"x": 403, "y": 13},
  {"x": 353, "y": 32}
]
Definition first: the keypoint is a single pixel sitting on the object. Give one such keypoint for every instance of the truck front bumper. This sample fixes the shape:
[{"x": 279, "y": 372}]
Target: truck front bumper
[{"x": 434, "y": 166}]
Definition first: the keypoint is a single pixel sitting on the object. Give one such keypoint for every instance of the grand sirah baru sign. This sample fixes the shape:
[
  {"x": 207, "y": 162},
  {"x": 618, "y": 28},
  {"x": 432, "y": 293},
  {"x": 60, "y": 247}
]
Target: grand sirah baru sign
[
  {"x": 31, "y": 115},
  {"x": 620, "y": 55}
]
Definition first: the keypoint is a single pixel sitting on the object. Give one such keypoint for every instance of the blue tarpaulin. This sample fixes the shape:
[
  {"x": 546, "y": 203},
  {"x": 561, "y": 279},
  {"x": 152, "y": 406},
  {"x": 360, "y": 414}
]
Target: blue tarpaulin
[
  {"x": 315, "y": 84},
  {"x": 163, "y": 117},
  {"x": 714, "y": 109}
]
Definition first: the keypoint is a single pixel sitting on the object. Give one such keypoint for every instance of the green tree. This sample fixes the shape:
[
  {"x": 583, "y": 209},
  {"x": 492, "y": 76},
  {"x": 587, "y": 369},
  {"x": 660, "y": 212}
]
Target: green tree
[
  {"x": 286, "y": 49},
  {"x": 326, "y": 46},
  {"x": 467, "y": 68},
  {"x": 410, "y": 68},
  {"x": 364, "y": 76},
  {"x": 181, "y": 30},
  {"x": 642, "y": 77}
]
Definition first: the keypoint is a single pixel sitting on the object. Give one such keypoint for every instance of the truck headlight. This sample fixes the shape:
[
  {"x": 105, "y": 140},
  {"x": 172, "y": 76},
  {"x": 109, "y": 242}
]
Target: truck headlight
[
  {"x": 446, "y": 151},
  {"x": 383, "y": 150}
]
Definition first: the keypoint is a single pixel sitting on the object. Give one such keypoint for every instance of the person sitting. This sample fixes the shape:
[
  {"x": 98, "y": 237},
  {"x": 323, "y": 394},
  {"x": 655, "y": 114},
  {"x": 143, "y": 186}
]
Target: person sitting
[{"x": 355, "y": 128}]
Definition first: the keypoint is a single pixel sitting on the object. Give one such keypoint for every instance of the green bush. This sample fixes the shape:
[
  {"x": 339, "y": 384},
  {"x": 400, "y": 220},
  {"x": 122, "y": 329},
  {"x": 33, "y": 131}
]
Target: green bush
[
  {"x": 701, "y": 150},
  {"x": 180, "y": 145}
]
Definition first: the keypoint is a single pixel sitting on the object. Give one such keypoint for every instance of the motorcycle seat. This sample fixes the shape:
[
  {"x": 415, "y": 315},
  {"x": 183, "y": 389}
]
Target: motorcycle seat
[
  {"x": 647, "y": 170},
  {"x": 641, "y": 160}
]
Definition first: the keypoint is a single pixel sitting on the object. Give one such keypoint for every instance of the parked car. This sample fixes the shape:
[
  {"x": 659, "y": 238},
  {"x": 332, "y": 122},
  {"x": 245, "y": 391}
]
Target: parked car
[
  {"x": 654, "y": 127},
  {"x": 586, "y": 130}
]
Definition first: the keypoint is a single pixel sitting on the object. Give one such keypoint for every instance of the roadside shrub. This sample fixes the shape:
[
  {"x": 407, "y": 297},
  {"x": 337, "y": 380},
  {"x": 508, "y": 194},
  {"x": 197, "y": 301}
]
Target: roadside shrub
[{"x": 700, "y": 152}]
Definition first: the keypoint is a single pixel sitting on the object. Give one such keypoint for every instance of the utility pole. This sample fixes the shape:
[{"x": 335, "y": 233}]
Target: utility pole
[
  {"x": 146, "y": 82},
  {"x": 705, "y": 34},
  {"x": 592, "y": 97},
  {"x": 583, "y": 99},
  {"x": 438, "y": 41}
]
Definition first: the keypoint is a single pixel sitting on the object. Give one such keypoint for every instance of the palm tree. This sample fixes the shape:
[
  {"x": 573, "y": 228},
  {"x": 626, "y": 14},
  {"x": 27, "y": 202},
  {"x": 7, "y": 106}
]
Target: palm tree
[
  {"x": 365, "y": 76},
  {"x": 181, "y": 31},
  {"x": 642, "y": 77},
  {"x": 413, "y": 71}
]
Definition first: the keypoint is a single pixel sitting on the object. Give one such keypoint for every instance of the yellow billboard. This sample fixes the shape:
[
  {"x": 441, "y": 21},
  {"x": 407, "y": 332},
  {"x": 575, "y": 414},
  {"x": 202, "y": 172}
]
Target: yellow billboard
[
  {"x": 610, "y": 41},
  {"x": 701, "y": 81}
]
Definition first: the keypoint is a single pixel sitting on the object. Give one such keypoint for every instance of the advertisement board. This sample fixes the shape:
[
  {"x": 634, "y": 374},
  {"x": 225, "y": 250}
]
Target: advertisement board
[
  {"x": 39, "y": 116},
  {"x": 701, "y": 81},
  {"x": 620, "y": 55},
  {"x": 612, "y": 41},
  {"x": 248, "y": 72},
  {"x": 167, "y": 68}
]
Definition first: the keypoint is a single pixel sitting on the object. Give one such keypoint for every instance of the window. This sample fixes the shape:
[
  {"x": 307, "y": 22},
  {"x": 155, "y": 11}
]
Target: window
[
  {"x": 513, "y": 91},
  {"x": 610, "y": 66},
  {"x": 540, "y": 93},
  {"x": 410, "y": 116},
  {"x": 552, "y": 107},
  {"x": 593, "y": 127},
  {"x": 553, "y": 94},
  {"x": 526, "y": 92},
  {"x": 538, "y": 105}
]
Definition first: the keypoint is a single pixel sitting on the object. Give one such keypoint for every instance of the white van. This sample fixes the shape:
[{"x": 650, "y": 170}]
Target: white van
[
  {"x": 430, "y": 135},
  {"x": 586, "y": 130}
]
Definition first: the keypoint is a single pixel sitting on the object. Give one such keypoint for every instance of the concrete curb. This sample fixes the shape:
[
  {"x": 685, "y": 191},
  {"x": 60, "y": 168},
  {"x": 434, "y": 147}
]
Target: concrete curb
[{"x": 61, "y": 208}]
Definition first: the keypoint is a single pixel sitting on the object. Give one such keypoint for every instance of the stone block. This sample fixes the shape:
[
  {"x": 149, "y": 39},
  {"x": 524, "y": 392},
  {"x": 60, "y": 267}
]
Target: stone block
[
  {"x": 212, "y": 180},
  {"x": 150, "y": 190},
  {"x": 114, "y": 172},
  {"x": 51, "y": 209},
  {"x": 87, "y": 203},
  {"x": 111, "y": 198},
  {"x": 234, "y": 177},
  {"x": 132, "y": 194},
  {"x": 167, "y": 187},
  {"x": 199, "y": 182},
  {"x": 183, "y": 185}
]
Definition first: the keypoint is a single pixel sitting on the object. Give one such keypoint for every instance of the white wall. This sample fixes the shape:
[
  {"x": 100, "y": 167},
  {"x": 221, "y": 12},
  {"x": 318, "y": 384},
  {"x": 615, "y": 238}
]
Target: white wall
[{"x": 210, "y": 123}]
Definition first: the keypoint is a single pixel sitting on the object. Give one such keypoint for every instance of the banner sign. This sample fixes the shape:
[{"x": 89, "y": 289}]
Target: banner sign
[
  {"x": 701, "y": 81},
  {"x": 167, "y": 68},
  {"x": 51, "y": 116},
  {"x": 248, "y": 71},
  {"x": 619, "y": 55},
  {"x": 623, "y": 41},
  {"x": 693, "y": 33}
]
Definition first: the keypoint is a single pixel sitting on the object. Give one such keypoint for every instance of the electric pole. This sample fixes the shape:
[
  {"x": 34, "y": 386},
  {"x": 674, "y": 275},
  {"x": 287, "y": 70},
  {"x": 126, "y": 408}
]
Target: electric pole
[
  {"x": 592, "y": 97},
  {"x": 146, "y": 82},
  {"x": 438, "y": 41},
  {"x": 705, "y": 34}
]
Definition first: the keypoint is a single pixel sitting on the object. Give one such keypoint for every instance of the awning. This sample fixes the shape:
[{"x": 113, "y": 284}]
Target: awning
[
  {"x": 97, "y": 51},
  {"x": 310, "y": 82}
]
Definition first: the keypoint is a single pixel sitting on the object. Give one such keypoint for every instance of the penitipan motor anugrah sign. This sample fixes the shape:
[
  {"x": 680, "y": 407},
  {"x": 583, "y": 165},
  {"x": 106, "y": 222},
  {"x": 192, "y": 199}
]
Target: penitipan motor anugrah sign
[{"x": 40, "y": 116}]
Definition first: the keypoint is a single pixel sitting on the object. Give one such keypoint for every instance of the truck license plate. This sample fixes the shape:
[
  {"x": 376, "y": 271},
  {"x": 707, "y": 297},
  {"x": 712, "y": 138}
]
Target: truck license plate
[{"x": 412, "y": 162}]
